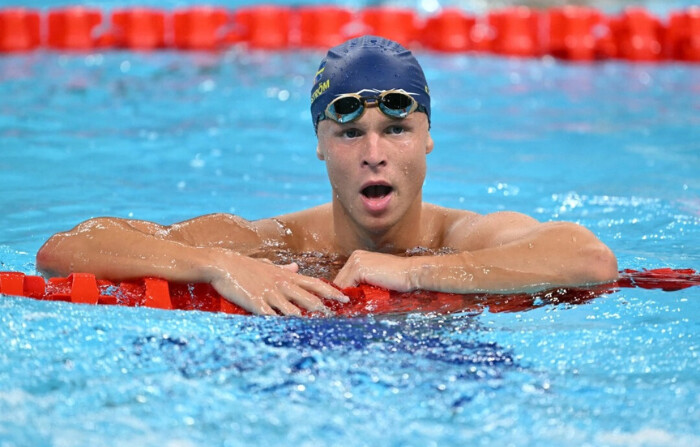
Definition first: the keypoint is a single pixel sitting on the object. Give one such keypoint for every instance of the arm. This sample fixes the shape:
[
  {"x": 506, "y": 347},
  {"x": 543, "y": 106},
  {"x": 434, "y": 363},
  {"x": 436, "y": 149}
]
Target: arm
[
  {"x": 501, "y": 252},
  {"x": 209, "y": 249}
]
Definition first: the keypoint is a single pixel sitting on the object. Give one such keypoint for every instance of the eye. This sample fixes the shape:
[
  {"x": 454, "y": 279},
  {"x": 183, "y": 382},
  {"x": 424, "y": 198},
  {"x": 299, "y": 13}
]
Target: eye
[
  {"x": 351, "y": 133},
  {"x": 395, "y": 130}
]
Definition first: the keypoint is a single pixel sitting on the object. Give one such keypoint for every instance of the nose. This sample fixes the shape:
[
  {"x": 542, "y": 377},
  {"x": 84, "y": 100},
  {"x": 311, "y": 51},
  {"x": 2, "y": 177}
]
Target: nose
[{"x": 373, "y": 155}]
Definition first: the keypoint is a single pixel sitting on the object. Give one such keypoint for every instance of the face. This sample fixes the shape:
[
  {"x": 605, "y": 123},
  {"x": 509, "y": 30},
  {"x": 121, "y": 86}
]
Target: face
[{"x": 376, "y": 166}]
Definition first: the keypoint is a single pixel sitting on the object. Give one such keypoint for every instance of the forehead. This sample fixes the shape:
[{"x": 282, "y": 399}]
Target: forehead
[{"x": 374, "y": 117}]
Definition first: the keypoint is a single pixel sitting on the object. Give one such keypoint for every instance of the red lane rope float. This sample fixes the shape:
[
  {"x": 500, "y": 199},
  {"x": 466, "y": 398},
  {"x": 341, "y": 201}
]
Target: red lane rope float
[
  {"x": 364, "y": 299},
  {"x": 323, "y": 26},
  {"x": 517, "y": 32},
  {"x": 20, "y": 30},
  {"x": 74, "y": 28},
  {"x": 576, "y": 33},
  {"x": 139, "y": 28},
  {"x": 199, "y": 28},
  {"x": 571, "y": 33}
]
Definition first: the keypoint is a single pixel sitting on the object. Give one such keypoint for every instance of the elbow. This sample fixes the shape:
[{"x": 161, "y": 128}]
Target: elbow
[
  {"x": 592, "y": 261},
  {"x": 56, "y": 256},
  {"x": 48, "y": 259},
  {"x": 599, "y": 264}
]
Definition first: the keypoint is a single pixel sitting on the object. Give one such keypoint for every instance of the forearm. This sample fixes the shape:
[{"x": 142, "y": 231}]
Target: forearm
[
  {"x": 112, "y": 249},
  {"x": 116, "y": 249},
  {"x": 559, "y": 255},
  {"x": 468, "y": 272}
]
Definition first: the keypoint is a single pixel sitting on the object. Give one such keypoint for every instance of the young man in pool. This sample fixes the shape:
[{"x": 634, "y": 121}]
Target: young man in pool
[{"x": 370, "y": 106}]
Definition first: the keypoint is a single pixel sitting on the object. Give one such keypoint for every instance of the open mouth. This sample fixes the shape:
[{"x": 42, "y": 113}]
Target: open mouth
[{"x": 376, "y": 191}]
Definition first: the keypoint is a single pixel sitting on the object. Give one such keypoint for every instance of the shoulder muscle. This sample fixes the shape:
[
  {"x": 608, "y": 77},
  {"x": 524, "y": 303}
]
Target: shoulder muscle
[
  {"x": 225, "y": 231},
  {"x": 309, "y": 229},
  {"x": 490, "y": 230}
]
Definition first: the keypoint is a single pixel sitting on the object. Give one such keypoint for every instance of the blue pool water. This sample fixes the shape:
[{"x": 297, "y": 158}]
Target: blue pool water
[{"x": 170, "y": 135}]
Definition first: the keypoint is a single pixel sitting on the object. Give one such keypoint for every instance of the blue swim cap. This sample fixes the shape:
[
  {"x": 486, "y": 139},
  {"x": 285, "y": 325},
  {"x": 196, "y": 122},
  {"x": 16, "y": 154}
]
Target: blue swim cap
[{"x": 367, "y": 62}]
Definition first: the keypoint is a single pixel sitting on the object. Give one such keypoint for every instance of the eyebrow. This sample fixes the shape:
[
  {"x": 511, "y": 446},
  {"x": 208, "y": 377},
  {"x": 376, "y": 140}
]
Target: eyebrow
[{"x": 382, "y": 118}]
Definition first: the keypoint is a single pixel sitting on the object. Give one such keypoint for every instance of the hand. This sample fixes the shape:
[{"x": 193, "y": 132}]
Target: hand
[
  {"x": 378, "y": 269},
  {"x": 263, "y": 288}
]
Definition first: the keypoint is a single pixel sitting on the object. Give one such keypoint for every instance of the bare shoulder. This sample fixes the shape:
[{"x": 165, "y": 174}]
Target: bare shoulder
[
  {"x": 496, "y": 229},
  {"x": 439, "y": 220},
  {"x": 225, "y": 231},
  {"x": 477, "y": 231},
  {"x": 309, "y": 229},
  {"x": 230, "y": 231}
]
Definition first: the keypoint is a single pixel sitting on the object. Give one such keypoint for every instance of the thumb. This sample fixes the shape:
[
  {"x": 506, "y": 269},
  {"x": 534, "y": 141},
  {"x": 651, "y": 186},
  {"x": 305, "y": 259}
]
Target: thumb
[{"x": 292, "y": 267}]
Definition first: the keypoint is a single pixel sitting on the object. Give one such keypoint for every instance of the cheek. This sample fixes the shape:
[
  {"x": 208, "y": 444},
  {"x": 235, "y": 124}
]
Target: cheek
[
  {"x": 414, "y": 166},
  {"x": 337, "y": 168}
]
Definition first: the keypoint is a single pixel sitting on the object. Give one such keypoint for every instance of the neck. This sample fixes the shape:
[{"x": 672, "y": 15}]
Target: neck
[{"x": 395, "y": 237}]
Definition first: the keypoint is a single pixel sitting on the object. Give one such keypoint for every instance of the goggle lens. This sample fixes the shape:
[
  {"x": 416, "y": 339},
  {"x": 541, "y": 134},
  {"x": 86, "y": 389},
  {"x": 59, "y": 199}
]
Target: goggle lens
[
  {"x": 345, "y": 109},
  {"x": 396, "y": 104}
]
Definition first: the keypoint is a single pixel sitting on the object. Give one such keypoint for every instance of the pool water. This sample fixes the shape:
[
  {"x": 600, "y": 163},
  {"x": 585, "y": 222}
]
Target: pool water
[{"x": 167, "y": 136}]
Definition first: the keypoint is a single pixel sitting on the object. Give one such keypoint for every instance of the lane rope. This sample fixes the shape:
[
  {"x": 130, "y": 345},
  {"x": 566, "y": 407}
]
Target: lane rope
[
  {"x": 365, "y": 299},
  {"x": 576, "y": 33}
]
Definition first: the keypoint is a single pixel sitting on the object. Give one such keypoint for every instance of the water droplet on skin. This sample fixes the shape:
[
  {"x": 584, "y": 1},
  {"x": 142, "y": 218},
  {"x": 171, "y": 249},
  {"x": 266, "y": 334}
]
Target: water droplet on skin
[{"x": 468, "y": 277}]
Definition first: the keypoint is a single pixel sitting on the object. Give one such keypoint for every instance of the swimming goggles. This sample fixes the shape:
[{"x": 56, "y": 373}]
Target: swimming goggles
[{"x": 349, "y": 107}]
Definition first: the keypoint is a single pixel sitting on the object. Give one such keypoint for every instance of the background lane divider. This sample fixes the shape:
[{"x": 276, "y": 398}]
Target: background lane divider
[{"x": 576, "y": 33}]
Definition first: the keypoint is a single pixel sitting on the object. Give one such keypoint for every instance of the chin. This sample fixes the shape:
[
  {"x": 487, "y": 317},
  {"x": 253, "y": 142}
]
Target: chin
[{"x": 376, "y": 224}]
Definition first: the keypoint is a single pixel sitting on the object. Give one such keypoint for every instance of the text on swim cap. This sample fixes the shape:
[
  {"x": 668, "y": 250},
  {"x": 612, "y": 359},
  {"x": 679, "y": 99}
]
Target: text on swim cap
[{"x": 323, "y": 86}]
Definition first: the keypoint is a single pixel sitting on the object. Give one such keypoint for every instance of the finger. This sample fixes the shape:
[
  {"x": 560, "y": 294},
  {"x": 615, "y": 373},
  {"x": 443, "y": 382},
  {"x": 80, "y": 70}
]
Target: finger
[
  {"x": 345, "y": 278},
  {"x": 256, "y": 307},
  {"x": 307, "y": 300},
  {"x": 283, "y": 305},
  {"x": 266, "y": 309},
  {"x": 322, "y": 289}
]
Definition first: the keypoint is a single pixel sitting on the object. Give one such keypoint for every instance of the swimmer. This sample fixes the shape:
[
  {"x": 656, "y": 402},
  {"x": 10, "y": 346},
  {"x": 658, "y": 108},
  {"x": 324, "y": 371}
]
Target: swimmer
[{"x": 370, "y": 107}]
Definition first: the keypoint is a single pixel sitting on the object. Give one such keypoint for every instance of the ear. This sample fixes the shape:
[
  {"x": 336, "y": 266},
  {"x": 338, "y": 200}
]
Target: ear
[
  {"x": 430, "y": 144},
  {"x": 319, "y": 153}
]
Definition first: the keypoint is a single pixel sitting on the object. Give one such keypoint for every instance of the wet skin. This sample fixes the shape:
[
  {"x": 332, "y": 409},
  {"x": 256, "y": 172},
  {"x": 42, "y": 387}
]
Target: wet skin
[{"x": 376, "y": 167}]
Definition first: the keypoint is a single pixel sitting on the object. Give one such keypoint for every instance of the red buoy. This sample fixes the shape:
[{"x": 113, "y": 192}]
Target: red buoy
[
  {"x": 682, "y": 40},
  {"x": 516, "y": 32},
  {"x": 200, "y": 28},
  {"x": 325, "y": 26},
  {"x": 139, "y": 28},
  {"x": 398, "y": 24},
  {"x": 639, "y": 36},
  {"x": 19, "y": 29},
  {"x": 449, "y": 31},
  {"x": 74, "y": 28},
  {"x": 571, "y": 32},
  {"x": 265, "y": 27}
]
